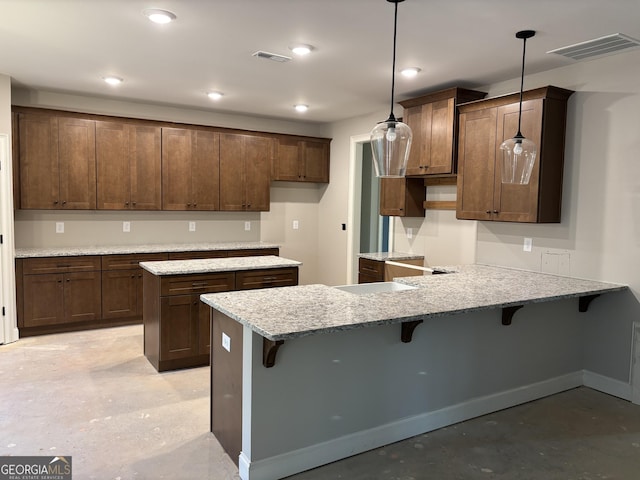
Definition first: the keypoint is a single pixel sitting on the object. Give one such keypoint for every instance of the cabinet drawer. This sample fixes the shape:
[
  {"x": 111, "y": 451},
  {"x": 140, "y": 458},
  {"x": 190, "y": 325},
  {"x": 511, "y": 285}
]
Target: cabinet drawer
[
  {"x": 61, "y": 264},
  {"x": 197, "y": 255},
  {"x": 129, "y": 261},
  {"x": 275, "y": 277},
  {"x": 254, "y": 252},
  {"x": 205, "y": 283},
  {"x": 371, "y": 268}
]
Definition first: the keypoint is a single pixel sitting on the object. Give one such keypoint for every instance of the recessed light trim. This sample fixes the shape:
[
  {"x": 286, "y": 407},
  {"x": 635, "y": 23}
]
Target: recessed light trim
[
  {"x": 215, "y": 95},
  {"x": 112, "y": 80},
  {"x": 300, "y": 107},
  {"x": 159, "y": 16},
  {"x": 410, "y": 72},
  {"x": 302, "y": 49}
]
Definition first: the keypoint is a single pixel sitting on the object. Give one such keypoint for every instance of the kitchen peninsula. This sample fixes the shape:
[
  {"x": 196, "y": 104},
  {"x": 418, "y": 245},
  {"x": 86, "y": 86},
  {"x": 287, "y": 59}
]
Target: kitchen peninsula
[
  {"x": 299, "y": 361},
  {"x": 176, "y": 323}
]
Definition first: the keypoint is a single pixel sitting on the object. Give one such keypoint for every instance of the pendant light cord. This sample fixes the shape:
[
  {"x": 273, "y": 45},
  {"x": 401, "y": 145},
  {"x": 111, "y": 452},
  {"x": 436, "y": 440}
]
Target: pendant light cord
[
  {"x": 524, "y": 49},
  {"x": 393, "y": 70}
]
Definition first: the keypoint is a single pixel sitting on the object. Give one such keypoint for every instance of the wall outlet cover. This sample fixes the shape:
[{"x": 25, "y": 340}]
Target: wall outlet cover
[
  {"x": 59, "y": 227},
  {"x": 126, "y": 227},
  {"x": 528, "y": 244},
  {"x": 296, "y": 225},
  {"x": 192, "y": 226},
  {"x": 247, "y": 226},
  {"x": 226, "y": 342}
]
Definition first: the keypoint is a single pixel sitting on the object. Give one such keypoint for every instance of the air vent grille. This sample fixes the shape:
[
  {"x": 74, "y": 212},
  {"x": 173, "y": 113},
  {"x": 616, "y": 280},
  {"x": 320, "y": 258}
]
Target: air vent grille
[
  {"x": 271, "y": 56},
  {"x": 600, "y": 46}
]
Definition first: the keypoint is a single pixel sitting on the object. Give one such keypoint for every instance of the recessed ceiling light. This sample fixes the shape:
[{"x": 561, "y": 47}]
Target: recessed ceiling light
[
  {"x": 411, "y": 72},
  {"x": 301, "y": 108},
  {"x": 215, "y": 95},
  {"x": 159, "y": 16},
  {"x": 301, "y": 49},
  {"x": 111, "y": 80}
]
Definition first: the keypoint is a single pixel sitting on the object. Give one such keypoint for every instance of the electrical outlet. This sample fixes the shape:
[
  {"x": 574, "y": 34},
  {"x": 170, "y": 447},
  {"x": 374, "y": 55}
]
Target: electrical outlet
[
  {"x": 409, "y": 233},
  {"x": 192, "y": 226},
  {"x": 296, "y": 225},
  {"x": 59, "y": 227},
  {"x": 126, "y": 226},
  {"x": 226, "y": 342},
  {"x": 528, "y": 243},
  {"x": 247, "y": 226}
]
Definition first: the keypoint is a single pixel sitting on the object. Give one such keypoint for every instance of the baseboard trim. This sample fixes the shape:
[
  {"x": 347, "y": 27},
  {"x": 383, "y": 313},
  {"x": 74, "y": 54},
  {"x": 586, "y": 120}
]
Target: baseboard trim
[
  {"x": 607, "y": 385},
  {"x": 320, "y": 454}
]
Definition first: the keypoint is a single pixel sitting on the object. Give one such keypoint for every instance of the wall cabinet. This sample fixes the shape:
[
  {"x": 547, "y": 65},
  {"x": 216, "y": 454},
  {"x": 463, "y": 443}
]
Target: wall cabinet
[
  {"x": 57, "y": 162},
  {"x": 190, "y": 169},
  {"x": 298, "y": 160},
  {"x": 434, "y": 124},
  {"x": 63, "y": 290},
  {"x": 402, "y": 197},
  {"x": 484, "y": 125},
  {"x": 245, "y": 166},
  {"x": 129, "y": 166}
]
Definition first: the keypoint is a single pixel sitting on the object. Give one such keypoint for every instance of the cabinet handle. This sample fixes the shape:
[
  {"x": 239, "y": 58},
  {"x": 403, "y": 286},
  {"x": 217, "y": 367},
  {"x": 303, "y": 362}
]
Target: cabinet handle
[
  {"x": 133, "y": 203},
  {"x": 126, "y": 203},
  {"x": 488, "y": 212},
  {"x": 195, "y": 205},
  {"x": 64, "y": 202},
  {"x": 56, "y": 202},
  {"x": 496, "y": 212},
  {"x": 248, "y": 205},
  {"x": 188, "y": 204}
]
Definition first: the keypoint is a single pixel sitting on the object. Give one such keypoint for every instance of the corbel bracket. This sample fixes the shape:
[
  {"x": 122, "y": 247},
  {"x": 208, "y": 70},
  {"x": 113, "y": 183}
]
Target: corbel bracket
[
  {"x": 269, "y": 350},
  {"x": 407, "y": 330},
  {"x": 508, "y": 313}
]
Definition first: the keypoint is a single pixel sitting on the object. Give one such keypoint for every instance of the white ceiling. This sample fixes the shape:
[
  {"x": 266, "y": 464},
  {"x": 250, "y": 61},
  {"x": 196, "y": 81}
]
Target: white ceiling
[{"x": 69, "y": 45}]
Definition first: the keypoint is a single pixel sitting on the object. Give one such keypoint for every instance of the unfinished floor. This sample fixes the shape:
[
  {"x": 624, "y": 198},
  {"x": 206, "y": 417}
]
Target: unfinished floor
[{"x": 94, "y": 396}]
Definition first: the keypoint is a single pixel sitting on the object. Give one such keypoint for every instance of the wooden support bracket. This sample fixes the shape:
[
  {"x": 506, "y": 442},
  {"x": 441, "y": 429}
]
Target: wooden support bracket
[
  {"x": 407, "y": 330},
  {"x": 508, "y": 313},
  {"x": 584, "y": 302},
  {"x": 269, "y": 350}
]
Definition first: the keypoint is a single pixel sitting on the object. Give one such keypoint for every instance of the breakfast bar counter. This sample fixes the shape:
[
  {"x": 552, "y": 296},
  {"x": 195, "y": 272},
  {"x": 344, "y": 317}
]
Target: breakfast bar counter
[{"x": 303, "y": 376}]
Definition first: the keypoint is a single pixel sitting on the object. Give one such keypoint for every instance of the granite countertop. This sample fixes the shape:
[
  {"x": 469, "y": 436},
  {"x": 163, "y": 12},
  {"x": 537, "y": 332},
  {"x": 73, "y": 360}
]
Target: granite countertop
[
  {"x": 290, "y": 312},
  {"x": 211, "y": 265},
  {"x": 383, "y": 256},
  {"x": 125, "y": 249}
]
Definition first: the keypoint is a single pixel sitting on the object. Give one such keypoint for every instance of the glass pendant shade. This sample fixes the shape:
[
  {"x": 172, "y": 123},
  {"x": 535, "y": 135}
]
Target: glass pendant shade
[
  {"x": 390, "y": 145},
  {"x": 518, "y": 158}
]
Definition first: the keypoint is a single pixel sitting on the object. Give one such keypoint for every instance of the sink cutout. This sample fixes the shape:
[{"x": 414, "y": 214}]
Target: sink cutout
[{"x": 376, "y": 287}]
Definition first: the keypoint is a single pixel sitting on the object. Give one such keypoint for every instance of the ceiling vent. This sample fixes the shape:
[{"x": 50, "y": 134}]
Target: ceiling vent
[
  {"x": 600, "y": 46},
  {"x": 271, "y": 56}
]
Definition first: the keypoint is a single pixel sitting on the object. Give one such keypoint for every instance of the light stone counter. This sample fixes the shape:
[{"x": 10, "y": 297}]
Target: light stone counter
[
  {"x": 290, "y": 312},
  {"x": 212, "y": 265},
  {"x": 384, "y": 256},
  {"x": 126, "y": 249}
]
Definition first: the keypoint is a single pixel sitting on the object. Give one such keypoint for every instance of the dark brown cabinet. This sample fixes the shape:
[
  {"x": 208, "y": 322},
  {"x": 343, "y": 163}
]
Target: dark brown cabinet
[
  {"x": 484, "y": 125},
  {"x": 57, "y": 162},
  {"x": 129, "y": 166},
  {"x": 190, "y": 169},
  {"x": 370, "y": 271},
  {"x": 122, "y": 285},
  {"x": 60, "y": 291},
  {"x": 402, "y": 197},
  {"x": 245, "y": 167},
  {"x": 275, "y": 277},
  {"x": 298, "y": 160},
  {"x": 433, "y": 122}
]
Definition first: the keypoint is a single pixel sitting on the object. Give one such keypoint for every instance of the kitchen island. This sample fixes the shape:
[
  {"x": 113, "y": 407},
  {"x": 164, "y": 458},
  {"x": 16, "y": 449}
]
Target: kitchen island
[
  {"x": 298, "y": 380},
  {"x": 176, "y": 324}
]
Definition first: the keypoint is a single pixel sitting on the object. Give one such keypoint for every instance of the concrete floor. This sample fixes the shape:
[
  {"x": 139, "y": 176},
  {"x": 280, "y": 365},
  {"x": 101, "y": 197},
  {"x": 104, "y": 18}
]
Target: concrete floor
[{"x": 94, "y": 396}]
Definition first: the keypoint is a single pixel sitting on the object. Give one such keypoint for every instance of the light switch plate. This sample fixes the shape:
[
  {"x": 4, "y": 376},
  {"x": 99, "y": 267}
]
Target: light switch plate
[
  {"x": 126, "y": 226},
  {"x": 247, "y": 226},
  {"x": 192, "y": 226},
  {"x": 409, "y": 233},
  {"x": 528, "y": 243},
  {"x": 226, "y": 342},
  {"x": 59, "y": 227},
  {"x": 296, "y": 225}
]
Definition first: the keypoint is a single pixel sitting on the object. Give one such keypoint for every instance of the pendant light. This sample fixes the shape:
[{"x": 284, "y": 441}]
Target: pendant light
[
  {"x": 391, "y": 139},
  {"x": 519, "y": 153}
]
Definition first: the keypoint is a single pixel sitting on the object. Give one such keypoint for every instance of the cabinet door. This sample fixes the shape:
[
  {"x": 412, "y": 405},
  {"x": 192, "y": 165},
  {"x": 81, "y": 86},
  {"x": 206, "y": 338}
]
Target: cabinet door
[
  {"x": 517, "y": 203},
  {"x": 113, "y": 171},
  {"x": 120, "y": 293},
  {"x": 257, "y": 162},
  {"x": 205, "y": 170},
  {"x": 44, "y": 300},
  {"x": 441, "y": 144},
  {"x": 179, "y": 326},
  {"x": 176, "y": 169},
  {"x": 77, "y": 163},
  {"x": 418, "y": 118},
  {"x": 232, "y": 183},
  {"x": 204, "y": 329},
  {"x": 146, "y": 167},
  {"x": 82, "y": 296},
  {"x": 287, "y": 160},
  {"x": 38, "y": 163},
  {"x": 316, "y": 162},
  {"x": 402, "y": 197},
  {"x": 476, "y": 167}
]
